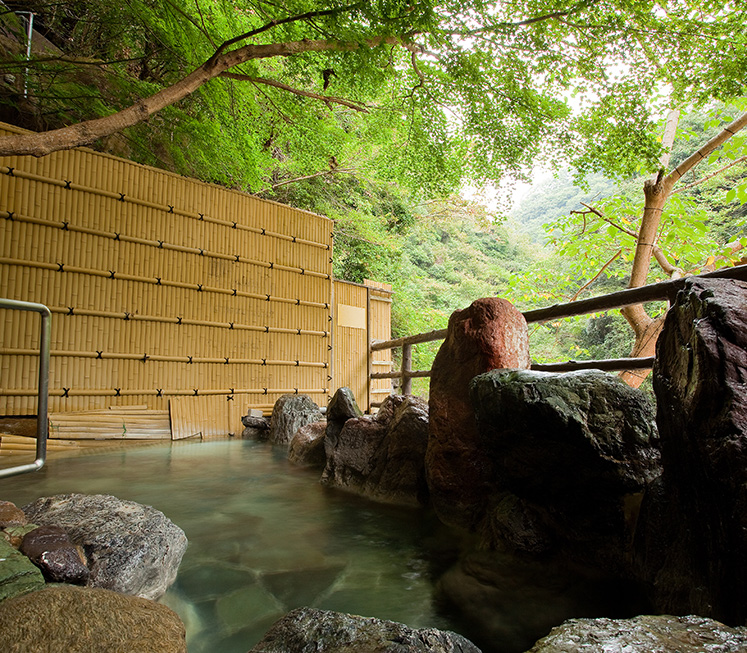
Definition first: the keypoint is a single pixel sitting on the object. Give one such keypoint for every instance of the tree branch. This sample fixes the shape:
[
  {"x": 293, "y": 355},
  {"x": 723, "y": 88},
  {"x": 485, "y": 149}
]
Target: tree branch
[
  {"x": 346, "y": 171},
  {"x": 672, "y": 271},
  {"x": 596, "y": 211},
  {"x": 315, "y": 96},
  {"x": 84, "y": 133},
  {"x": 595, "y": 277},
  {"x": 712, "y": 175},
  {"x": 694, "y": 159},
  {"x": 283, "y": 21}
]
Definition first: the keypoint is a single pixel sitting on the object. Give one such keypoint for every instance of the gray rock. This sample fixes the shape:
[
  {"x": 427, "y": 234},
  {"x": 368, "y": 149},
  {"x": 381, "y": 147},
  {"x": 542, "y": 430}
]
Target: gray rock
[
  {"x": 382, "y": 458},
  {"x": 18, "y": 575},
  {"x": 693, "y": 530},
  {"x": 646, "y": 634},
  {"x": 255, "y": 427},
  {"x": 341, "y": 408},
  {"x": 353, "y": 456},
  {"x": 307, "y": 446},
  {"x": 319, "y": 631},
  {"x": 50, "y": 549},
  {"x": 254, "y": 422},
  {"x": 248, "y": 433},
  {"x": 399, "y": 473},
  {"x": 570, "y": 456},
  {"x": 81, "y": 620},
  {"x": 516, "y": 599},
  {"x": 130, "y": 548},
  {"x": 289, "y": 414}
]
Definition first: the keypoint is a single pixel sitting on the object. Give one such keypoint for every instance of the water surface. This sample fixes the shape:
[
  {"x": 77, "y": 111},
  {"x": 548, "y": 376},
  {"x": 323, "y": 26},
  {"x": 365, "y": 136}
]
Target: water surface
[{"x": 264, "y": 537}]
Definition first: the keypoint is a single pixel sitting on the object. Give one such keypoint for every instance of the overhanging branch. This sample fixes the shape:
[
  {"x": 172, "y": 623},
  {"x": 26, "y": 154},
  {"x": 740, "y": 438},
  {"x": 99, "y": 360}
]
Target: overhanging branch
[
  {"x": 296, "y": 91},
  {"x": 84, "y": 133}
]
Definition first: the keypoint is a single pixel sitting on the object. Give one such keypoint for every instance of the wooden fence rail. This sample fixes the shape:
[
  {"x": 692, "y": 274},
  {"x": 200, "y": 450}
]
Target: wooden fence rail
[{"x": 663, "y": 291}]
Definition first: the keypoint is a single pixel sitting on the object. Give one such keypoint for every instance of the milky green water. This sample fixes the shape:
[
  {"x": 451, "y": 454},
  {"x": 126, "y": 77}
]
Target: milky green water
[{"x": 264, "y": 537}]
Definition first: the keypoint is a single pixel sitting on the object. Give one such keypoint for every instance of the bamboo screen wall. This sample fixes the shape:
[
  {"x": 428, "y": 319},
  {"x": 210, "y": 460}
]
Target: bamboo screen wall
[
  {"x": 160, "y": 286},
  {"x": 362, "y": 314}
]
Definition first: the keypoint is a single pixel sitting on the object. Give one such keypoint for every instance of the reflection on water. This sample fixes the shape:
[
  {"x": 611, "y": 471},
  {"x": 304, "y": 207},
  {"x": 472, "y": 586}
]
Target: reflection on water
[{"x": 264, "y": 537}]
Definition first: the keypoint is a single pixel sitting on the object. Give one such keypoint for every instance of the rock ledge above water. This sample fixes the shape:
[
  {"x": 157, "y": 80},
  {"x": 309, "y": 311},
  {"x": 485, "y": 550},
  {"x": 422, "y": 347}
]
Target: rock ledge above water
[{"x": 323, "y": 631}]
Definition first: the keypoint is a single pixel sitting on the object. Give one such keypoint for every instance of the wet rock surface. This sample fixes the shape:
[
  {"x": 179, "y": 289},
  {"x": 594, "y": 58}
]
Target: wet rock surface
[
  {"x": 130, "y": 548},
  {"x": 341, "y": 408},
  {"x": 508, "y": 601},
  {"x": 693, "y": 528},
  {"x": 570, "y": 456},
  {"x": 645, "y": 634},
  {"x": 81, "y": 620},
  {"x": 50, "y": 549},
  {"x": 289, "y": 414},
  {"x": 255, "y": 427},
  {"x": 382, "y": 457},
  {"x": 307, "y": 446},
  {"x": 308, "y": 629},
  {"x": 489, "y": 334}
]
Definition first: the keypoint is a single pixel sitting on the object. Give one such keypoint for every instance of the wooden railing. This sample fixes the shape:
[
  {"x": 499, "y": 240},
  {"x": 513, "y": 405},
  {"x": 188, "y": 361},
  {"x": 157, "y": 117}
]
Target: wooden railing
[{"x": 663, "y": 291}]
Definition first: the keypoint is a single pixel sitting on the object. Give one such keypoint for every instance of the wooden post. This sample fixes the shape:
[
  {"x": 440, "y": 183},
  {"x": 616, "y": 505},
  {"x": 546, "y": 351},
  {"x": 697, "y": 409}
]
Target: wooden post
[
  {"x": 406, "y": 368},
  {"x": 369, "y": 353}
]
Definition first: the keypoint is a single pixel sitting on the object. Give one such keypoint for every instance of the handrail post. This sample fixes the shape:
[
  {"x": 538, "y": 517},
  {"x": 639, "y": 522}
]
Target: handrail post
[
  {"x": 42, "y": 405},
  {"x": 406, "y": 369}
]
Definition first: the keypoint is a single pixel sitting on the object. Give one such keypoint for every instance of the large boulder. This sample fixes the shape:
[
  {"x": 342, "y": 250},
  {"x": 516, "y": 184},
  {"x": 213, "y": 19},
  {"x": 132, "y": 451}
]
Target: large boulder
[
  {"x": 18, "y": 575},
  {"x": 382, "y": 457},
  {"x": 489, "y": 334},
  {"x": 80, "y": 620},
  {"x": 662, "y": 634},
  {"x": 307, "y": 446},
  {"x": 570, "y": 456},
  {"x": 130, "y": 548},
  {"x": 341, "y": 408},
  {"x": 398, "y": 475},
  {"x": 509, "y": 601},
  {"x": 289, "y": 414},
  {"x": 322, "y": 631},
  {"x": 693, "y": 531}
]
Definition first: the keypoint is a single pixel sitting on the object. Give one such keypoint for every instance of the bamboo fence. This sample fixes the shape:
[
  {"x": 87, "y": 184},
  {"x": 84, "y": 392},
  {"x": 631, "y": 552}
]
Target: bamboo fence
[{"x": 163, "y": 287}]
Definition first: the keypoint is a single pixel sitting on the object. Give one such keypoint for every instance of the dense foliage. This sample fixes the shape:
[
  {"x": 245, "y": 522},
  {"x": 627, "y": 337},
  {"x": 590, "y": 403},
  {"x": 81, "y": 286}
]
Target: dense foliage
[
  {"x": 415, "y": 92},
  {"x": 376, "y": 113}
]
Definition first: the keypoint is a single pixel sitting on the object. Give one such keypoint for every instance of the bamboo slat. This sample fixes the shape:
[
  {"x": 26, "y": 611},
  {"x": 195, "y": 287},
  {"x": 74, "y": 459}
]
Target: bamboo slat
[
  {"x": 131, "y": 423},
  {"x": 162, "y": 287}
]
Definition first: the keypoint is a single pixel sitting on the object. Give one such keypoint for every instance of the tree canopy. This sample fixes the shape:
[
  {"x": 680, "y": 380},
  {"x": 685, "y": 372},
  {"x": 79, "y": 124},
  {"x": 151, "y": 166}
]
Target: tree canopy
[{"x": 428, "y": 94}]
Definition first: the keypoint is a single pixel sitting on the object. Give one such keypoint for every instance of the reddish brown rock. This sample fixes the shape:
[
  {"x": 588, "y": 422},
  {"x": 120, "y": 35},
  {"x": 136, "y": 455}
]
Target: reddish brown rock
[
  {"x": 490, "y": 334},
  {"x": 50, "y": 549},
  {"x": 11, "y": 515},
  {"x": 307, "y": 446}
]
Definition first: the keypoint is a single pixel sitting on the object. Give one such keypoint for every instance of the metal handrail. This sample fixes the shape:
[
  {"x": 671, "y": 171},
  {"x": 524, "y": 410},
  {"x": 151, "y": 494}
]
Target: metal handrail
[{"x": 42, "y": 406}]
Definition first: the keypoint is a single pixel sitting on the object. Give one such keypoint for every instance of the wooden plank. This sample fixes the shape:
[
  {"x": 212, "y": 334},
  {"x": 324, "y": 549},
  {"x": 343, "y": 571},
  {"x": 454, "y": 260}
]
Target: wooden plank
[{"x": 131, "y": 423}]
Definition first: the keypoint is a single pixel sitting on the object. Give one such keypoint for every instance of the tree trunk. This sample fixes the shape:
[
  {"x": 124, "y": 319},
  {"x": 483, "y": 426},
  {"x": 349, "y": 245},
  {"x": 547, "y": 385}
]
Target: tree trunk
[{"x": 657, "y": 193}]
